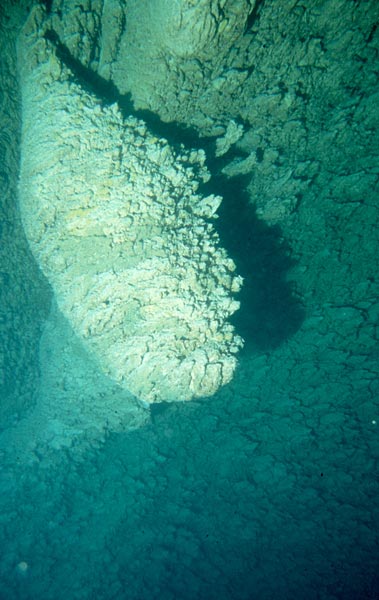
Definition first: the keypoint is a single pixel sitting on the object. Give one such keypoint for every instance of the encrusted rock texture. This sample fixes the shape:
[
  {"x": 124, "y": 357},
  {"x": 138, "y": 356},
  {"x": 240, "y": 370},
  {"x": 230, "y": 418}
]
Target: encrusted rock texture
[
  {"x": 114, "y": 219},
  {"x": 268, "y": 490}
]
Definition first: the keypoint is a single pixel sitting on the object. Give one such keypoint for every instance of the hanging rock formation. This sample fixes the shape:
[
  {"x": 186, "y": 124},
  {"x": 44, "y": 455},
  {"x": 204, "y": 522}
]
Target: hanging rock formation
[{"x": 114, "y": 219}]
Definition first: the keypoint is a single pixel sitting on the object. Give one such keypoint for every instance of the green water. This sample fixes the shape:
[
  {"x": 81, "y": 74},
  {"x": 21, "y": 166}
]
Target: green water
[{"x": 268, "y": 490}]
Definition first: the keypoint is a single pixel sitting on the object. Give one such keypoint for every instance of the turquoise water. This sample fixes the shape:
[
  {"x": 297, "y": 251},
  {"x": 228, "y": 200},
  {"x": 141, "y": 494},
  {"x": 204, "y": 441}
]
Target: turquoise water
[
  {"x": 269, "y": 489},
  {"x": 257, "y": 493}
]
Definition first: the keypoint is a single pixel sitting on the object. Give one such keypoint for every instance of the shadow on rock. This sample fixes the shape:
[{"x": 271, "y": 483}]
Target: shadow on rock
[{"x": 270, "y": 309}]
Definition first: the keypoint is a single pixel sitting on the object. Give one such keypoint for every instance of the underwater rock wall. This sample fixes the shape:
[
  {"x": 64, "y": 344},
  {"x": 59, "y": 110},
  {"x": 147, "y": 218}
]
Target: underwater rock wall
[
  {"x": 295, "y": 129},
  {"x": 170, "y": 53},
  {"x": 286, "y": 114}
]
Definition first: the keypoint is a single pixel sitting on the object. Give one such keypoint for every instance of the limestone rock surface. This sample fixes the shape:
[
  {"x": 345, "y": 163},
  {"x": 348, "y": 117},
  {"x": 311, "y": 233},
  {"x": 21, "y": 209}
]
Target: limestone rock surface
[{"x": 115, "y": 220}]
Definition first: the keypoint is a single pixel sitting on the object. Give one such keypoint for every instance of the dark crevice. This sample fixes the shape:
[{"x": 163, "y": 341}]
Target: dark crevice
[
  {"x": 271, "y": 311},
  {"x": 372, "y": 33},
  {"x": 48, "y": 4},
  {"x": 254, "y": 15},
  {"x": 90, "y": 81}
]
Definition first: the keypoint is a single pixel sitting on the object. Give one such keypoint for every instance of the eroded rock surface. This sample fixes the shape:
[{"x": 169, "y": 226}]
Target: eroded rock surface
[{"x": 115, "y": 221}]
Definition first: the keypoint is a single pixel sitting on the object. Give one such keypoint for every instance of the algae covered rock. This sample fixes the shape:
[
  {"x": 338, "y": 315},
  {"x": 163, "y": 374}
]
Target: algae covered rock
[{"x": 116, "y": 223}]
